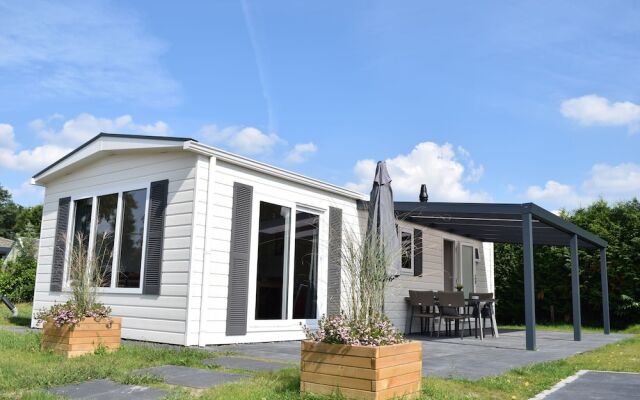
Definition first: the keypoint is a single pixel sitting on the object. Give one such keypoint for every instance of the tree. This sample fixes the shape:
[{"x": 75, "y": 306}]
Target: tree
[
  {"x": 8, "y": 214},
  {"x": 28, "y": 221},
  {"x": 619, "y": 225},
  {"x": 17, "y": 221}
]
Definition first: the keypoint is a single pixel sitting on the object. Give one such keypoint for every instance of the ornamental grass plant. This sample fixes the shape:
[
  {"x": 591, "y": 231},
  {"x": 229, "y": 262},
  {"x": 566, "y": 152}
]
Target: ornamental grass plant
[
  {"x": 362, "y": 320},
  {"x": 86, "y": 273}
]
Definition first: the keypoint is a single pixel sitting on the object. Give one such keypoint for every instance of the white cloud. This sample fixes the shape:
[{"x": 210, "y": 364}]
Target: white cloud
[
  {"x": 61, "y": 137},
  {"x": 32, "y": 159},
  {"x": 7, "y": 137},
  {"x": 615, "y": 182},
  {"x": 554, "y": 192},
  {"x": 27, "y": 194},
  {"x": 596, "y": 110},
  {"x": 610, "y": 182},
  {"x": 437, "y": 166},
  {"x": 300, "y": 152},
  {"x": 475, "y": 171},
  {"x": 247, "y": 140},
  {"x": 85, "y": 126},
  {"x": 82, "y": 49}
]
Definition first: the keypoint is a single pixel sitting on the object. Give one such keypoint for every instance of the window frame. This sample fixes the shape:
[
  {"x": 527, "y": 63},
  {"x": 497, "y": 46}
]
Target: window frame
[
  {"x": 119, "y": 189},
  {"x": 407, "y": 271},
  {"x": 460, "y": 269},
  {"x": 273, "y": 325}
]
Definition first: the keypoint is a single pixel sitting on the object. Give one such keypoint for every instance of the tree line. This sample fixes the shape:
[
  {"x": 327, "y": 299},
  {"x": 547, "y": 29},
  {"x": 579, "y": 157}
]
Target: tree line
[
  {"x": 619, "y": 225},
  {"x": 22, "y": 224},
  {"x": 17, "y": 221}
]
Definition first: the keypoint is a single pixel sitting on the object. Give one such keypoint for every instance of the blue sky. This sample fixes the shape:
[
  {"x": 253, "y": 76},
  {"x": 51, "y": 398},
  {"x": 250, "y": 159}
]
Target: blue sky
[{"x": 501, "y": 101}]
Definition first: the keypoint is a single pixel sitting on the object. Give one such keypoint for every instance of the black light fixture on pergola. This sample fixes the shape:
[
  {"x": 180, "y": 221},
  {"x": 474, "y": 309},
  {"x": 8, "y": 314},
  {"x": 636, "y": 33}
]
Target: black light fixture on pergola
[{"x": 527, "y": 224}]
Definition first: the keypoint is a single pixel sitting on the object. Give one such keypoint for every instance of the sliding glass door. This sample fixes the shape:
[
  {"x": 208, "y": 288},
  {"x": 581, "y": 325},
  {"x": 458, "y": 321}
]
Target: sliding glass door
[
  {"x": 287, "y": 263},
  {"x": 273, "y": 261}
]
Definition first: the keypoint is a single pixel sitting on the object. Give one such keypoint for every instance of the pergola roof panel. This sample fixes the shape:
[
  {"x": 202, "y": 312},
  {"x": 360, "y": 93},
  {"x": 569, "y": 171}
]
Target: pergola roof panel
[{"x": 495, "y": 222}]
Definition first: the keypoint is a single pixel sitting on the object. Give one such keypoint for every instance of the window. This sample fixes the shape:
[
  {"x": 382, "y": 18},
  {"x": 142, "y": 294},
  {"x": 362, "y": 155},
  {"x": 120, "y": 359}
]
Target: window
[
  {"x": 273, "y": 261},
  {"x": 406, "y": 246},
  {"x": 105, "y": 234},
  {"x": 133, "y": 212},
  {"x": 305, "y": 271},
  {"x": 82, "y": 223},
  {"x": 111, "y": 227},
  {"x": 286, "y": 291}
]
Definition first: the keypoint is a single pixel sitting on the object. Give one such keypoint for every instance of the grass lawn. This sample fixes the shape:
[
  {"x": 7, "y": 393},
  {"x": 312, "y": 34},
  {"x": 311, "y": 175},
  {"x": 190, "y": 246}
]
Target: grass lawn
[
  {"x": 25, "y": 372},
  {"x": 23, "y": 318}
]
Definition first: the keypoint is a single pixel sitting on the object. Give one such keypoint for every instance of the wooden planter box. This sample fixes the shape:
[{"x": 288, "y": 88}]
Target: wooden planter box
[
  {"x": 84, "y": 338},
  {"x": 361, "y": 372}
]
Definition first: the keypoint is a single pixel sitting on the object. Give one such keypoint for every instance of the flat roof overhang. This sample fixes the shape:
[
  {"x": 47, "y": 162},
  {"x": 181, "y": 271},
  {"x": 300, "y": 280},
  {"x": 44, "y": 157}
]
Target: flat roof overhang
[{"x": 495, "y": 222}]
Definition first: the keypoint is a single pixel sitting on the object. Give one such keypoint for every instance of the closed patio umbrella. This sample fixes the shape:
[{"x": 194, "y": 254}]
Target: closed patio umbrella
[{"x": 382, "y": 218}]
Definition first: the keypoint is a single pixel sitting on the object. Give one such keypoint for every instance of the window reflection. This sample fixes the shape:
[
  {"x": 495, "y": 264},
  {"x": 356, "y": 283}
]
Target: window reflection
[
  {"x": 273, "y": 260},
  {"x": 133, "y": 213},
  {"x": 105, "y": 235},
  {"x": 82, "y": 224},
  {"x": 305, "y": 265}
]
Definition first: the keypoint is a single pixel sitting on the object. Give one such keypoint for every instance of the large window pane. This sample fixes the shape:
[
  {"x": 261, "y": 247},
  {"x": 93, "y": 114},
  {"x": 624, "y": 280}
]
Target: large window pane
[
  {"x": 305, "y": 274},
  {"x": 273, "y": 260},
  {"x": 406, "y": 242},
  {"x": 82, "y": 225},
  {"x": 134, "y": 204},
  {"x": 105, "y": 232}
]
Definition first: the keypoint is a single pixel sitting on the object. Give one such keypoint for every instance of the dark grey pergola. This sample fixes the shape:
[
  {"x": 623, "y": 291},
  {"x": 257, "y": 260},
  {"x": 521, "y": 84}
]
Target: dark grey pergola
[{"x": 527, "y": 224}]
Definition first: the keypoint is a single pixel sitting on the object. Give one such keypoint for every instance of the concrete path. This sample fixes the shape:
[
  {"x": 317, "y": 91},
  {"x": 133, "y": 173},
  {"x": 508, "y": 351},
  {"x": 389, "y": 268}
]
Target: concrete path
[
  {"x": 473, "y": 359},
  {"x": 595, "y": 385},
  {"x": 288, "y": 352},
  {"x": 196, "y": 378},
  {"x": 18, "y": 329},
  {"x": 102, "y": 389},
  {"x": 246, "y": 364},
  {"x": 451, "y": 357}
]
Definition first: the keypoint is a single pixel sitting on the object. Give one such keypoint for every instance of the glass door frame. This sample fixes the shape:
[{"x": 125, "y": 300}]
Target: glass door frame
[{"x": 261, "y": 325}]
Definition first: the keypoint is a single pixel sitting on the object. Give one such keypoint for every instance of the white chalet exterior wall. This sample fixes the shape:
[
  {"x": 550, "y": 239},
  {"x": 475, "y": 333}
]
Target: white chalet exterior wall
[
  {"x": 192, "y": 306},
  {"x": 151, "y": 318},
  {"x": 215, "y": 249},
  {"x": 396, "y": 307}
]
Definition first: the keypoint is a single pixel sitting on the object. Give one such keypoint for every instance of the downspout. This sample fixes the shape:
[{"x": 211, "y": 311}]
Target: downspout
[{"x": 206, "y": 263}]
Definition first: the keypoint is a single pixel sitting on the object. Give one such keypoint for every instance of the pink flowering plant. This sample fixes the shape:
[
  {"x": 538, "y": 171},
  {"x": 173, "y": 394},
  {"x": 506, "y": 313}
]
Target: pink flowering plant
[
  {"x": 86, "y": 273},
  {"x": 341, "y": 330},
  {"x": 70, "y": 314}
]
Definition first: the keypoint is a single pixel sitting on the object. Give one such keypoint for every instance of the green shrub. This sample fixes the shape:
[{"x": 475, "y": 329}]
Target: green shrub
[
  {"x": 17, "y": 281},
  {"x": 18, "y": 277}
]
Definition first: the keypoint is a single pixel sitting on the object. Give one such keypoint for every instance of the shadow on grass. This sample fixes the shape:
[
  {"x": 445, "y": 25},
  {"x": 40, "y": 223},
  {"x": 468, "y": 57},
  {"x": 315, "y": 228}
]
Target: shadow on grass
[{"x": 20, "y": 321}]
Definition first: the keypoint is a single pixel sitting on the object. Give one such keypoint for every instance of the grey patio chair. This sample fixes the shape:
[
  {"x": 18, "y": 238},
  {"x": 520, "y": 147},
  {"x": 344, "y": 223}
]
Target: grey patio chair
[
  {"x": 485, "y": 312},
  {"x": 422, "y": 304},
  {"x": 452, "y": 307}
]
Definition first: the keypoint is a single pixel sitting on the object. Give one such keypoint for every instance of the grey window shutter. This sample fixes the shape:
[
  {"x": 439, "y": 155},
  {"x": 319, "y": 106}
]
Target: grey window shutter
[
  {"x": 238, "y": 288},
  {"x": 158, "y": 194},
  {"x": 334, "y": 280},
  {"x": 417, "y": 252},
  {"x": 60, "y": 244}
]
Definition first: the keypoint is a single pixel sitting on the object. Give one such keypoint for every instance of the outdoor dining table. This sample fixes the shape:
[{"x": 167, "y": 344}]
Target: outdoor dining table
[{"x": 480, "y": 303}]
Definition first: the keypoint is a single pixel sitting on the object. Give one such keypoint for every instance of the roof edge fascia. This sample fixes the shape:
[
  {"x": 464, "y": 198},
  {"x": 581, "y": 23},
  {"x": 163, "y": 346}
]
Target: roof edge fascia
[{"x": 270, "y": 170}]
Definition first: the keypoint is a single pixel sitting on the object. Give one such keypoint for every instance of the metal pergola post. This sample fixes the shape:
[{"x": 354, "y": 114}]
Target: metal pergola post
[
  {"x": 575, "y": 289},
  {"x": 529, "y": 294},
  {"x": 605, "y": 290}
]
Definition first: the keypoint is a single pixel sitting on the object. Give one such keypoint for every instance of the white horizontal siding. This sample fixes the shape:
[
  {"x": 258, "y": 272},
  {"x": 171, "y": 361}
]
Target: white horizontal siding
[
  {"x": 213, "y": 325},
  {"x": 432, "y": 277},
  {"x": 152, "y": 318}
]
